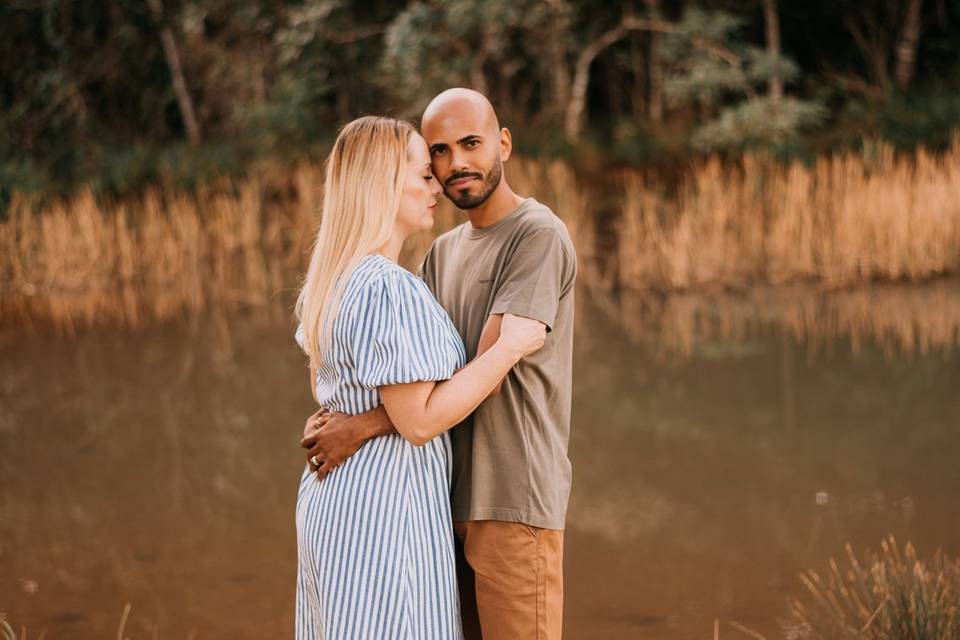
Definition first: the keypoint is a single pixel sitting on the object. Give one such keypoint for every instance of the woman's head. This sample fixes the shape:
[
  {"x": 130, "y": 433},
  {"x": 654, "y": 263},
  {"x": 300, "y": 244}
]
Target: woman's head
[
  {"x": 374, "y": 188},
  {"x": 418, "y": 200}
]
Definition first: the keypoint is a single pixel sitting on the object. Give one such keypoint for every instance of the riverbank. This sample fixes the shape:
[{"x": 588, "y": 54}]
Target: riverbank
[{"x": 847, "y": 219}]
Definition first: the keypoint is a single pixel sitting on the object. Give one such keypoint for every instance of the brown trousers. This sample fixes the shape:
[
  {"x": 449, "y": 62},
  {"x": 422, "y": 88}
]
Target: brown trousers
[{"x": 511, "y": 580}]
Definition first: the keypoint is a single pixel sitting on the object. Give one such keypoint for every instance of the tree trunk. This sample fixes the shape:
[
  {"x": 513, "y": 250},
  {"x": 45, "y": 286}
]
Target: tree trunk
[
  {"x": 907, "y": 45},
  {"x": 638, "y": 93},
  {"x": 557, "y": 68},
  {"x": 559, "y": 71},
  {"x": 655, "y": 69},
  {"x": 775, "y": 84},
  {"x": 573, "y": 121},
  {"x": 176, "y": 74},
  {"x": 873, "y": 46}
]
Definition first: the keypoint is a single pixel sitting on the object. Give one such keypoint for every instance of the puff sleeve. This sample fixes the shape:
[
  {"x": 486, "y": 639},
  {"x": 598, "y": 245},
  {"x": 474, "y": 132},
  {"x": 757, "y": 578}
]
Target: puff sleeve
[{"x": 401, "y": 334}]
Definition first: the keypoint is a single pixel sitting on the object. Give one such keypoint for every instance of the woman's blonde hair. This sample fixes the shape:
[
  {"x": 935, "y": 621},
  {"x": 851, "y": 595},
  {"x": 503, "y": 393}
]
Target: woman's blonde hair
[{"x": 365, "y": 173}]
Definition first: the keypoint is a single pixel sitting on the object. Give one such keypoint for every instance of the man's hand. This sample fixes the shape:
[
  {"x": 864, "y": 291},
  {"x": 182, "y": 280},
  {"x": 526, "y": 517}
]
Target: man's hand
[
  {"x": 314, "y": 422},
  {"x": 330, "y": 438}
]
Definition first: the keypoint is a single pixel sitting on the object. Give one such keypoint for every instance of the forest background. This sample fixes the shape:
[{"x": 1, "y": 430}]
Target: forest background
[{"x": 120, "y": 95}]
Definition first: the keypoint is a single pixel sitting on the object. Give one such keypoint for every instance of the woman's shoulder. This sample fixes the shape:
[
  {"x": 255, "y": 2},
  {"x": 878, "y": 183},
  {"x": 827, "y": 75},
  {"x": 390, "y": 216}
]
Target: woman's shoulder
[{"x": 377, "y": 276}]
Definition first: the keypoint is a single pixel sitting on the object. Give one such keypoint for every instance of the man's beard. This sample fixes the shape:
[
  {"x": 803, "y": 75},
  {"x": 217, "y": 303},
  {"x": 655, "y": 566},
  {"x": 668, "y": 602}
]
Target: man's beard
[{"x": 464, "y": 199}]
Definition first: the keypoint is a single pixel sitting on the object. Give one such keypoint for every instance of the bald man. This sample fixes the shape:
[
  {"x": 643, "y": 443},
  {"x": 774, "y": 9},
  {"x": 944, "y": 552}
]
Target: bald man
[{"x": 511, "y": 473}]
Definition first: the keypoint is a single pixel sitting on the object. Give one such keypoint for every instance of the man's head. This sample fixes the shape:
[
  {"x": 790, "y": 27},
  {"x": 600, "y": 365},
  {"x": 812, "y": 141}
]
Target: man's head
[{"x": 467, "y": 145}]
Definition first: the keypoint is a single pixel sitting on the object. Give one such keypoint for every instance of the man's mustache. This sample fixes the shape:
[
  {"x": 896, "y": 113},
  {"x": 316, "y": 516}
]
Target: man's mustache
[{"x": 460, "y": 176}]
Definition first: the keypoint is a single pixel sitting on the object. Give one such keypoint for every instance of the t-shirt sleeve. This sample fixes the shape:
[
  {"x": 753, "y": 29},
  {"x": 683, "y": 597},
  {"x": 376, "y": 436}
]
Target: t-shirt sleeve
[
  {"x": 425, "y": 270},
  {"x": 535, "y": 277},
  {"x": 398, "y": 337}
]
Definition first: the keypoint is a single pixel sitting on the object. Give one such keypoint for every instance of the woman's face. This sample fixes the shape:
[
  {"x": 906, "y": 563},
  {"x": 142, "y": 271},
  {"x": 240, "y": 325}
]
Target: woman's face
[{"x": 420, "y": 190}]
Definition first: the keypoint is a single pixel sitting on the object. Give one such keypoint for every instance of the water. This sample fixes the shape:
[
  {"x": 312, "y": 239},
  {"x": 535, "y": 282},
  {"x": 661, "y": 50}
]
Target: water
[{"x": 719, "y": 447}]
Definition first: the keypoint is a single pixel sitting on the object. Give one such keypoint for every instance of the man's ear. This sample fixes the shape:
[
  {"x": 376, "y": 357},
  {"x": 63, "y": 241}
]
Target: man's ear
[{"x": 506, "y": 144}]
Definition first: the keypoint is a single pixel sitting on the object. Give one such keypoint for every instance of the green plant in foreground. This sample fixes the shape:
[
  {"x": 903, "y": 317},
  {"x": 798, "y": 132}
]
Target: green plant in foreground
[{"x": 892, "y": 595}]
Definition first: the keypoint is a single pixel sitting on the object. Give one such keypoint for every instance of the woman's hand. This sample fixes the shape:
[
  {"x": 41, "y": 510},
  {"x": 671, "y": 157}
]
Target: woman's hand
[{"x": 522, "y": 335}]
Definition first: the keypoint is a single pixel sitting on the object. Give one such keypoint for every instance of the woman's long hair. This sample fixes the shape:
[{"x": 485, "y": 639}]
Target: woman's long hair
[{"x": 365, "y": 173}]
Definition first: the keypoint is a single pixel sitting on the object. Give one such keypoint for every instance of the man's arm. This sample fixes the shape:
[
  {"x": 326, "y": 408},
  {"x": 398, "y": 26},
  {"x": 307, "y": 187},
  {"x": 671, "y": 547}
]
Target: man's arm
[{"x": 334, "y": 437}]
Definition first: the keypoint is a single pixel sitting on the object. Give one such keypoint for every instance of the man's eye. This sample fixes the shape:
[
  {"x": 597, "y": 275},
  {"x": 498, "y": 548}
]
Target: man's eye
[
  {"x": 473, "y": 143},
  {"x": 438, "y": 152}
]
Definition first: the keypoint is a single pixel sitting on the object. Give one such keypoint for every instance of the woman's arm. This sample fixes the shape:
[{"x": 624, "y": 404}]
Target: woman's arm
[
  {"x": 420, "y": 411},
  {"x": 488, "y": 337}
]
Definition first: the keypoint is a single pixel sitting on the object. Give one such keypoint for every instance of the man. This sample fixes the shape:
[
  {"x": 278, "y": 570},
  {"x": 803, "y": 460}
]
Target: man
[{"x": 511, "y": 474}]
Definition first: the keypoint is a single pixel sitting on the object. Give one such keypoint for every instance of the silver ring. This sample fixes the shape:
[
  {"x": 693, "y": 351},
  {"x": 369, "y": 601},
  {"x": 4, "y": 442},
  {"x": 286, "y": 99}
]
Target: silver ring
[{"x": 314, "y": 461}]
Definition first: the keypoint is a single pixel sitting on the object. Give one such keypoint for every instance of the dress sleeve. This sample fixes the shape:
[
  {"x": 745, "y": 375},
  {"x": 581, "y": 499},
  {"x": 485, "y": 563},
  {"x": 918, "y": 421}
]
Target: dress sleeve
[
  {"x": 298, "y": 336},
  {"x": 399, "y": 335}
]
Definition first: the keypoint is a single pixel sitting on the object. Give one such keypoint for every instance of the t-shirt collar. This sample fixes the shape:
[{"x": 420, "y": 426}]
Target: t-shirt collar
[{"x": 483, "y": 231}]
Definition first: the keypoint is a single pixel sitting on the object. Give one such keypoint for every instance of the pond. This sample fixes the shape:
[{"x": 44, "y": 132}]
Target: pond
[{"x": 720, "y": 445}]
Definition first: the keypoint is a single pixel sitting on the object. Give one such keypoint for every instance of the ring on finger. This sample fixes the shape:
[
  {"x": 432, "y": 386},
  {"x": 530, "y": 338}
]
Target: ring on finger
[{"x": 316, "y": 462}]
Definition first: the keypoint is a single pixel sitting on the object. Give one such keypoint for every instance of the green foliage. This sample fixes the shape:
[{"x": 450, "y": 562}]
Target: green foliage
[
  {"x": 86, "y": 89},
  {"x": 757, "y": 121},
  {"x": 496, "y": 46},
  {"x": 928, "y": 116},
  {"x": 760, "y": 65},
  {"x": 712, "y": 66},
  {"x": 705, "y": 79},
  {"x": 415, "y": 39}
]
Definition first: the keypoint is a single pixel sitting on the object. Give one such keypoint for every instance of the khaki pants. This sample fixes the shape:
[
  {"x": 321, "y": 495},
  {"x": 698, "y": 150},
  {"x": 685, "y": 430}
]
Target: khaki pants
[{"x": 511, "y": 580}]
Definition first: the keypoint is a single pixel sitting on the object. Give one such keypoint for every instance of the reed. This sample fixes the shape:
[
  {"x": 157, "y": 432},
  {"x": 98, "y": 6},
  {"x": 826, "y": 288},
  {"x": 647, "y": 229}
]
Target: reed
[
  {"x": 7, "y": 632},
  {"x": 848, "y": 219},
  {"x": 163, "y": 257},
  {"x": 891, "y": 595}
]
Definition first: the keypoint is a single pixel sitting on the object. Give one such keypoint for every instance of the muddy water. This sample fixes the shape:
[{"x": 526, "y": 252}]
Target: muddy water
[{"x": 716, "y": 453}]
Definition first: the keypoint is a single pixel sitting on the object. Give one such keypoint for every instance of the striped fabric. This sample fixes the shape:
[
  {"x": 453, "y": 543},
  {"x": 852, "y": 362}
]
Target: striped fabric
[{"x": 375, "y": 538}]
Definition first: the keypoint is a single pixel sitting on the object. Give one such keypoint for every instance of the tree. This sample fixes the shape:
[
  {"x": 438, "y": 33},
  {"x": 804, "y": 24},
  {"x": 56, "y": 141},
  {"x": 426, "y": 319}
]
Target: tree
[
  {"x": 772, "y": 20},
  {"x": 907, "y": 45},
  {"x": 725, "y": 83},
  {"x": 512, "y": 50},
  {"x": 176, "y": 73}
]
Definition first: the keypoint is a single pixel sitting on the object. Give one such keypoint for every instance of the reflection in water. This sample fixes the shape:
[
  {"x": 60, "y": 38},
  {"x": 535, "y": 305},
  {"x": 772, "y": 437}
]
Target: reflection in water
[
  {"x": 718, "y": 452},
  {"x": 902, "y": 320}
]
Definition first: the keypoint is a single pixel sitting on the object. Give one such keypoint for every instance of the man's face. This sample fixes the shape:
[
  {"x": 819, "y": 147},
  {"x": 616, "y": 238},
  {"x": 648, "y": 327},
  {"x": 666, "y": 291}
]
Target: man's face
[{"x": 465, "y": 153}]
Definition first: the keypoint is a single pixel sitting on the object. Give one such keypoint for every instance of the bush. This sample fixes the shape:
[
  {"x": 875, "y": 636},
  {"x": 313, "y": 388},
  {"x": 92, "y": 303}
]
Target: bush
[{"x": 892, "y": 595}]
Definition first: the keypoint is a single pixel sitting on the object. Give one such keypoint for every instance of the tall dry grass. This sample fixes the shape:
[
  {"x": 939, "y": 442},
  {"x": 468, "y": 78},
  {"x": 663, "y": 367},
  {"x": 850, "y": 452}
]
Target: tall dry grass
[
  {"x": 848, "y": 219},
  {"x": 893, "y": 595},
  {"x": 162, "y": 257}
]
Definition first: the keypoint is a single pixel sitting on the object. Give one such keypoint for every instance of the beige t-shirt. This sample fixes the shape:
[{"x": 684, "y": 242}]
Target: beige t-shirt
[{"x": 510, "y": 456}]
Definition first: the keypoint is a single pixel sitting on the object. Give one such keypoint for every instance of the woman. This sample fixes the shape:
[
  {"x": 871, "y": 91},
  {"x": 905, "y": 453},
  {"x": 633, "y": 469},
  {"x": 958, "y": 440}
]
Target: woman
[{"x": 375, "y": 535}]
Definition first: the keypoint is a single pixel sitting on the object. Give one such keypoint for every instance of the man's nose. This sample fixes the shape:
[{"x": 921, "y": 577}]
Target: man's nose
[{"x": 458, "y": 162}]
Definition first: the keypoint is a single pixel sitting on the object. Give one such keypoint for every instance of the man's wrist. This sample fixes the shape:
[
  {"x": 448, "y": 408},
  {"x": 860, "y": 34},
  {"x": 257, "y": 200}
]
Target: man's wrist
[{"x": 376, "y": 423}]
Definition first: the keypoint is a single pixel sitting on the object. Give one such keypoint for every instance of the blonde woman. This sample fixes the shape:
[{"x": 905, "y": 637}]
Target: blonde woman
[{"x": 374, "y": 536}]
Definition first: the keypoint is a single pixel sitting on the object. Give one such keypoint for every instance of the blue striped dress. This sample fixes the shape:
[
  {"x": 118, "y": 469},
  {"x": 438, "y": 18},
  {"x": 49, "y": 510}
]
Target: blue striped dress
[{"x": 375, "y": 536}]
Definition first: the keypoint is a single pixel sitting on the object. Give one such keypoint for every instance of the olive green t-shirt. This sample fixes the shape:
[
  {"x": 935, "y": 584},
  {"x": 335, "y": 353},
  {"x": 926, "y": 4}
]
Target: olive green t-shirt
[{"x": 510, "y": 456}]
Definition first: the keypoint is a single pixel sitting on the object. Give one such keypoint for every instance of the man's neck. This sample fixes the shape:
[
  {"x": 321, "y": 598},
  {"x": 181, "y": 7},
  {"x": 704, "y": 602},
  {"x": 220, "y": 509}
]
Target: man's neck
[{"x": 501, "y": 203}]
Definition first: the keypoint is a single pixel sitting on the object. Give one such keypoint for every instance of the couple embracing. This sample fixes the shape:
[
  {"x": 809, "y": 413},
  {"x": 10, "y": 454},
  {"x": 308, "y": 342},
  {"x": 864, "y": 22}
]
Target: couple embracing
[{"x": 434, "y": 500}]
